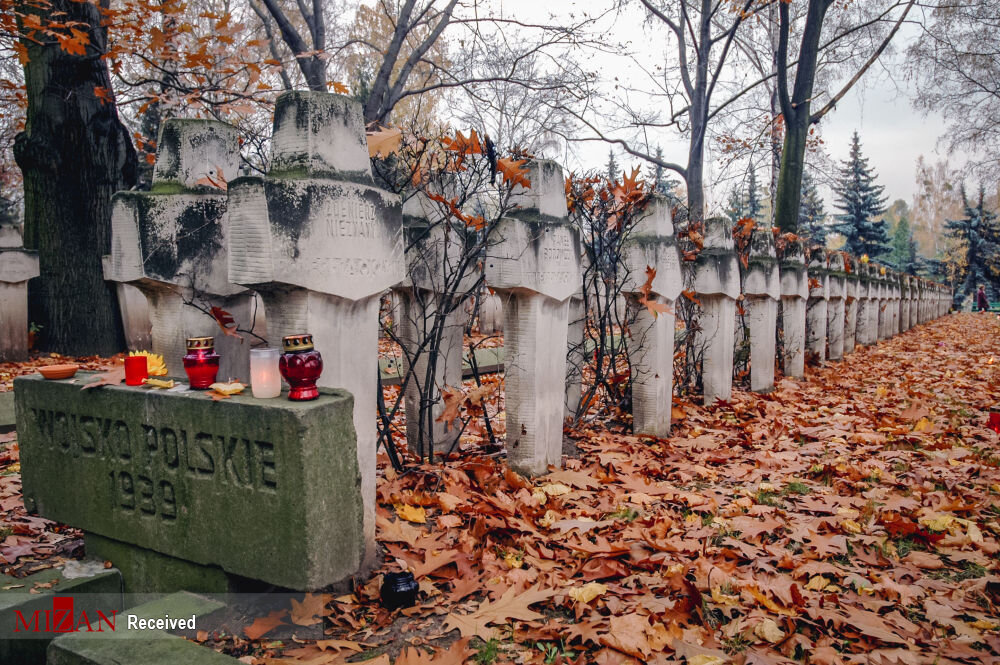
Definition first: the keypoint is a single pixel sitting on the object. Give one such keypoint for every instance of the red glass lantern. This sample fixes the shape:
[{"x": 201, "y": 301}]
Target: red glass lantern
[
  {"x": 300, "y": 365},
  {"x": 994, "y": 422},
  {"x": 201, "y": 362},
  {"x": 135, "y": 370}
]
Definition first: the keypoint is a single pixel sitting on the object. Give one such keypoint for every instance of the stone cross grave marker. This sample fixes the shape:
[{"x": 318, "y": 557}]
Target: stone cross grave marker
[
  {"x": 320, "y": 243},
  {"x": 435, "y": 256},
  {"x": 717, "y": 283},
  {"x": 794, "y": 292},
  {"x": 761, "y": 291},
  {"x": 836, "y": 305},
  {"x": 534, "y": 265},
  {"x": 816, "y": 308},
  {"x": 851, "y": 288},
  {"x": 171, "y": 243},
  {"x": 651, "y": 345}
]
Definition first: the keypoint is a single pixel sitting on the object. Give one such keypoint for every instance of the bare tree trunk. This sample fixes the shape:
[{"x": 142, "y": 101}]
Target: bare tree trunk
[{"x": 74, "y": 154}]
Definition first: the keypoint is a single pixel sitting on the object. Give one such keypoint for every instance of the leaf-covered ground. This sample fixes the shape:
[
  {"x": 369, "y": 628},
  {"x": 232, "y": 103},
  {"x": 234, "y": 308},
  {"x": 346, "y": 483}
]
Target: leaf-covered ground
[{"x": 852, "y": 517}]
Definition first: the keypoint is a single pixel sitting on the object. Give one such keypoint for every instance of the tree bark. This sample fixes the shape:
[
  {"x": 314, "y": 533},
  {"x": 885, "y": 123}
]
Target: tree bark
[
  {"x": 795, "y": 110},
  {"x": 74, "y": 153}
]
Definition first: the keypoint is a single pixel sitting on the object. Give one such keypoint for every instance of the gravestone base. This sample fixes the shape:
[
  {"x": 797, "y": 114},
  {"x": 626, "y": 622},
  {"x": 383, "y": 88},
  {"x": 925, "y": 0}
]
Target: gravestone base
[
  {"x": 836, "y": 314},
  {"x": 147, "y": 571},
  {"x": 651, "y": 355},
  {"x": 576, "y": 357},
  {"x": 816, "y": 322},
  {"x": 718, "y": 327},
  {"x": 851, "y": 325},
  {"x": 535, "y": 336},
  {"x": 419, "y": 316},
  {"x": 761, "y": 318},
  {"x": 793, "y": 321}
]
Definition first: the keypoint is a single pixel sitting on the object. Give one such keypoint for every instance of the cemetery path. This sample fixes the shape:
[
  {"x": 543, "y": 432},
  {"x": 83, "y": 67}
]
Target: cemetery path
[{"x": 852, "y": 517}]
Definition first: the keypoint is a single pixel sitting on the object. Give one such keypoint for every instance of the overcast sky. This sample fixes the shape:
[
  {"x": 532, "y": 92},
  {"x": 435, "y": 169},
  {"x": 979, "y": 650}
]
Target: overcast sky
[{"x": 893, "y": 134}]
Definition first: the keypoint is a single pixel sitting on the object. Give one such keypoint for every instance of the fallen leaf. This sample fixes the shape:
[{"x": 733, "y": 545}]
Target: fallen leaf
[{"x": 263, "y": 625}]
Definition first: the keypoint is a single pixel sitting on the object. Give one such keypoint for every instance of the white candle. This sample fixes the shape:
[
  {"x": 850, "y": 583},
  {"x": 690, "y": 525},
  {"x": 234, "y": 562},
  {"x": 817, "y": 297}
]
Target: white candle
[{"x": 265, "y": 380}]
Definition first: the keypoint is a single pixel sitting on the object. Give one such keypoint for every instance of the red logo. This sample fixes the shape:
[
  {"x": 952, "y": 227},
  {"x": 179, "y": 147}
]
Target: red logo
[{"x": 62, "y": 619}]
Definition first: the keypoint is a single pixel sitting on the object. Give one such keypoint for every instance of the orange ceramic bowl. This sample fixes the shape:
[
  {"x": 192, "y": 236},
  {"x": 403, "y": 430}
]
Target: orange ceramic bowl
[{"x": 58, "y": 371}]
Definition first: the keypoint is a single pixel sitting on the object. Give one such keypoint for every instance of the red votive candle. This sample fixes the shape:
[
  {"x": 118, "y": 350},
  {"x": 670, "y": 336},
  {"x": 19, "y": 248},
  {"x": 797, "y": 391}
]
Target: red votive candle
[
  {"x": 135, "y": 370},
  {"x": 201, "y": 362},
  {"x": 300, "y": 365}
]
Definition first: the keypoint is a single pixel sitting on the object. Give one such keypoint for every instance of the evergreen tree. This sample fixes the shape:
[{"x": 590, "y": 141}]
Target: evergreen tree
[
  {"x": 656, "y": 178},
  {"x": 861, "y": 202},
  {"x": 904, "y": 246},
  {"x": 612, "y": 167},
  {"x": 979, "y": 234},
  {"x": 812, "y": 213},
  {"x": 753, "y": 205},
  {"x": 735, "y": 209}
]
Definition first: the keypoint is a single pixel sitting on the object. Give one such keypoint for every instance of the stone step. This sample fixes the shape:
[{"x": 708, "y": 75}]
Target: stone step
[
  {"x": 94, "y": 586},
  {"x": 6, "y": 411}
]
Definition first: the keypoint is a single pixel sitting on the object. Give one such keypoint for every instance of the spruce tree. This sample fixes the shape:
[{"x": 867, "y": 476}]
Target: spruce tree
[
  {"x": 753, "y": 205},
  {"x": 812, "y": 213},
  {"x": 861, "y": 202},
  {"x": 656, "y": 178},
  {"x": 735, "y": 210},
  {"x": 612, "y": 166},
  {"x": 904, "y": 246},
  {"x": 979, "y": 233}
]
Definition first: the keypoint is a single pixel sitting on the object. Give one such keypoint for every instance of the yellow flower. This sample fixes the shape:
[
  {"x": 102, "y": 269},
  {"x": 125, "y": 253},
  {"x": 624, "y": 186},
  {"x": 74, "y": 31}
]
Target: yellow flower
[
  {"x": 154, "y": 362},
  {"x": 864, "y": 258}
]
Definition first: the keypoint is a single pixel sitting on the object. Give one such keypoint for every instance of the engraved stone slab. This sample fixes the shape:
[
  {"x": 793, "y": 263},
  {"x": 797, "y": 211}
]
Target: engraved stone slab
[
  {"x": 265, "y": 489},
  {"x": 652, "y": 244},
  {"x": 339, "y": 238},
  {"x": 543, "y": 257}
]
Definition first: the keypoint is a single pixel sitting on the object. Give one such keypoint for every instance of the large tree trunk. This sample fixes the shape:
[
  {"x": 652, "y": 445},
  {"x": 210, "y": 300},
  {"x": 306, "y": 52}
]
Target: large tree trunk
[
  {"x": 793, "y": 157},
  {"x": 796, "y": 111},
  {"x": 74, "y": 154},
  {"x": 695, "y": 178}
]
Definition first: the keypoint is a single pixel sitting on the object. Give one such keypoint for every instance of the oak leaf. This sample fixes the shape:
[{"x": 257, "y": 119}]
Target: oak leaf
[
  {"x": 310, "y": 610},
  {"x": 263, "y": 625},
  {"x": 384, "y": 141},
  {"x": 511, "y": 605},
  {"x": 226, "y": 322}
]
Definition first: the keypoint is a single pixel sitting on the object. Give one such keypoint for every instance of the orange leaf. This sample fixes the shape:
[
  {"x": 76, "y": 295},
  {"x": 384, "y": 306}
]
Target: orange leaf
[
  {"x": 310, "y": 610},
  {"x": 513, "y": 171},
  {"x": 462, "y": 145},
  {"x": 263, "y": 625},
  {"x": 690, "y": 295},
  {"x": 226, "y": 322},
  {"x": 655, "y": 308},
  {"x": 339, "y": 88},
  {"x": 384, "y": 141}
]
